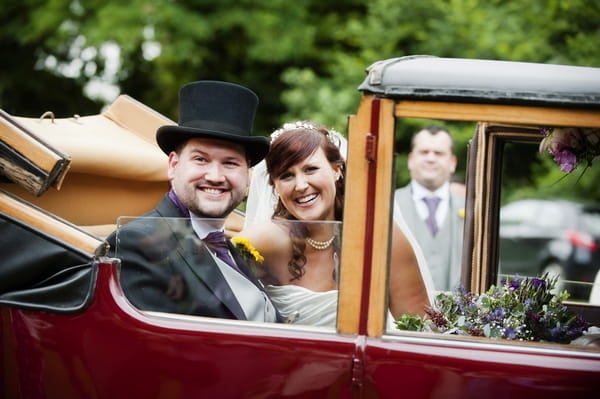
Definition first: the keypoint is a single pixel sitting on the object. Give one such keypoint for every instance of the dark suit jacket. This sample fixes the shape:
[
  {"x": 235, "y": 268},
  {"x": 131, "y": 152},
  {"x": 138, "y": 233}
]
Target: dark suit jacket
[{"x": 164, "y": 269}]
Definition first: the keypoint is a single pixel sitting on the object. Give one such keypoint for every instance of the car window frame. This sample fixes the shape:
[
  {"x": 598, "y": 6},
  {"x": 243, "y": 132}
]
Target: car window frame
[{"x": 365, "y": 250}]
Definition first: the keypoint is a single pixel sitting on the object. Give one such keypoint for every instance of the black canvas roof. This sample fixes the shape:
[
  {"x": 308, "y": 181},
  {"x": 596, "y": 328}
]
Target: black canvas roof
[{"x": 483, "y": 81}]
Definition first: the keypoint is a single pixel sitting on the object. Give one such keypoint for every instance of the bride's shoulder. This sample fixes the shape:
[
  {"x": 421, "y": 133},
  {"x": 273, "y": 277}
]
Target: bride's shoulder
[{"x": 266, "y": 235}]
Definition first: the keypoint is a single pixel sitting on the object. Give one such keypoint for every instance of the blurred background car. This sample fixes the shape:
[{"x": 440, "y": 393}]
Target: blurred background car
[{"x": 559, "y": 237}]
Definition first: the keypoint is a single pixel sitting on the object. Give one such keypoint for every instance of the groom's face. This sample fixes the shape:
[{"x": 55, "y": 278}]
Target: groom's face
[{"x": 210, "y": 176}]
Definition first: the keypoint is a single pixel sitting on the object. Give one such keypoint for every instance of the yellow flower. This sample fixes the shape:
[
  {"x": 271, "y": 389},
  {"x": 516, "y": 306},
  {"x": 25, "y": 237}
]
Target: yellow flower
[
  {"x": 461, "y": 213},
  {"x": 248, "y": 248}
]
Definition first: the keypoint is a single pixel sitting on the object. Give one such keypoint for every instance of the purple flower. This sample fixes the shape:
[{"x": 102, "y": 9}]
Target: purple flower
[
  {"x": 510, "y": 333},
  {"x": 514, "y": 284},
  {"x": 538, "y": 283},
  {"x": 545, "y": 131},
  {"x": 497, "y": 314},
  {"x": 570, "y": 145},
  {"x": 566, "y": 160}
]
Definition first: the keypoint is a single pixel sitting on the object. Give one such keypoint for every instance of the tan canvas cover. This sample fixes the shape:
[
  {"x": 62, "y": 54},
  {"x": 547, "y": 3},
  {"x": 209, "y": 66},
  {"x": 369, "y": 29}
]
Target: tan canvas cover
[{"x": 116, "y": 166}]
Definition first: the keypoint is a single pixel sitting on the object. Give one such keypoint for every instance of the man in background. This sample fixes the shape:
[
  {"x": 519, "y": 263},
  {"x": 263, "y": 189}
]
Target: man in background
[{"x": 433, "y": 213}]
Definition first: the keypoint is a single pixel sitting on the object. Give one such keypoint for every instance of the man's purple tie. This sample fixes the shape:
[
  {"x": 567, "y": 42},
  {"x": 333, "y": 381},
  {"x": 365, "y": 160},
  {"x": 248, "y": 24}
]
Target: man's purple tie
[
  {"x": 216, "y": 241},
  {"x": 432, "y": 204}
]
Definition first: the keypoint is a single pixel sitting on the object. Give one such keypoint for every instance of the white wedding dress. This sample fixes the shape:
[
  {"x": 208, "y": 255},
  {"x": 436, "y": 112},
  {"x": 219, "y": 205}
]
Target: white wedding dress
[{"x": 299, "y": 305}]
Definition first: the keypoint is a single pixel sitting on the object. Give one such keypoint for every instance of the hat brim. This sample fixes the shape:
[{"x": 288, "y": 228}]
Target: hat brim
[{"x": 169, "y": 137}]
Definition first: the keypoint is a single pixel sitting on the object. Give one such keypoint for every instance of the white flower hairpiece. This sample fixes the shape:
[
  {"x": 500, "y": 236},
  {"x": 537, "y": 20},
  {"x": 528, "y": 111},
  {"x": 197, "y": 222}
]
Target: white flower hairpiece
[{"x": 332, "y": 135}]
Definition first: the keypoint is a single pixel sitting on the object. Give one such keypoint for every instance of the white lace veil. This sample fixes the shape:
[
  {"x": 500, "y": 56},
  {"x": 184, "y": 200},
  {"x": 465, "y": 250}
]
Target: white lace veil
[{"x": 262, "y": 201}]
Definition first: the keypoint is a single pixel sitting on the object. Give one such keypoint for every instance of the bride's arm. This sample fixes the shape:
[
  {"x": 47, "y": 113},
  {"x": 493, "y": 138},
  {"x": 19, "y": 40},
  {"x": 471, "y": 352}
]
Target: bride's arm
[
  {"x": 408, "y": 294},
  {"x": 269, "y": 241}
]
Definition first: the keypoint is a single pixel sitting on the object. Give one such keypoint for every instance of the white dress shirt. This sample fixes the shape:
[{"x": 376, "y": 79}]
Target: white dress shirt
[{"x": 443, "y": 193}]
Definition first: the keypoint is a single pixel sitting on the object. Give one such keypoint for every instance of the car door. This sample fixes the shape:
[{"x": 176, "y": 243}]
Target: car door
[
  {"x": 418, "y": 364},
  {"x": 68, "y": 331}
]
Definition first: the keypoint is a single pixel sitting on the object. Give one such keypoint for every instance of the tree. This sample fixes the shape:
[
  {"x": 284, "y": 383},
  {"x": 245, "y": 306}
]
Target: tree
[{"x": 305, "y": 59}]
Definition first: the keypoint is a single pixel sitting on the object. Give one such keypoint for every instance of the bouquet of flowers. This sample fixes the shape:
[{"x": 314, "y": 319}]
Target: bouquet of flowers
[
  {"x": 247, "y": 250},
  {"x": 520, "y": 308},
  {"x": 571, "y": 146}
]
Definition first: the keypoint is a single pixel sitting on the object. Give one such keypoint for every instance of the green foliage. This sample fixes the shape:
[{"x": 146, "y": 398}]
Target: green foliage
[
  {"x": 304, "y": 58},
  {"x": 410, "y": 323}
]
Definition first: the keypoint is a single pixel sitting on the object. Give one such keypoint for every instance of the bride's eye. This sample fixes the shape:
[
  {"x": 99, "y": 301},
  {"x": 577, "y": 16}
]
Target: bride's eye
[{"x": 285, "y": 176}]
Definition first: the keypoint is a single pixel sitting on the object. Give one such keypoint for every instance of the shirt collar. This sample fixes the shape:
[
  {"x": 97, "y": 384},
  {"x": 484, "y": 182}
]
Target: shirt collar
[
  {"x": 203, "y": 226},
  {"x": 420, "y": 192}
]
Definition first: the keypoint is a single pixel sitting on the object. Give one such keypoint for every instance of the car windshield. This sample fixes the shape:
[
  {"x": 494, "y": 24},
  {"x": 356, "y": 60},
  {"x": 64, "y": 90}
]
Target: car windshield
[{"x": 174, "y": 265}]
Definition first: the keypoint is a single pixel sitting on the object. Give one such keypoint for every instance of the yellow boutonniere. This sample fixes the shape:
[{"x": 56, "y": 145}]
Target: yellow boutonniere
[
  {"x": 247, "y": 249},
  {"x": 461, "y": 213}
]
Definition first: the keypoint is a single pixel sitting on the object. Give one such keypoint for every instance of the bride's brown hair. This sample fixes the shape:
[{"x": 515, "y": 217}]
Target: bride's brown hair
[{"x": 290, "y": 146}]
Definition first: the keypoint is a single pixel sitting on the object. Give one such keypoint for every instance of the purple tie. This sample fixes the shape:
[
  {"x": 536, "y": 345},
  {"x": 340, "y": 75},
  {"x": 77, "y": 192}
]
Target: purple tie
[
  {"x": 216, "y": 241},
  {"x": 432, "y": 204}
]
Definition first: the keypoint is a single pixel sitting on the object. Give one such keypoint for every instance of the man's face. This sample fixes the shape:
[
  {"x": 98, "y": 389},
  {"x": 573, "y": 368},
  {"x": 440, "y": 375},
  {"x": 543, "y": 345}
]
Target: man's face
[
  {"x": 431, "y": 162},
  {"x": 210, "y": 176}
]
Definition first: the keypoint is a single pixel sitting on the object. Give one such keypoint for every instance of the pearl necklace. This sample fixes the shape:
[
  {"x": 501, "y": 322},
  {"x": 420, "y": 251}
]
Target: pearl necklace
[{"x": 320, "y": 245}]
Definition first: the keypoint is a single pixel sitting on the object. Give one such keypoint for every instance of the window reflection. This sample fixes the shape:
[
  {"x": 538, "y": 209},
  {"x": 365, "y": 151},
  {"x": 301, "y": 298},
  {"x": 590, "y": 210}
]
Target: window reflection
[{"x": 279, "y": 271}]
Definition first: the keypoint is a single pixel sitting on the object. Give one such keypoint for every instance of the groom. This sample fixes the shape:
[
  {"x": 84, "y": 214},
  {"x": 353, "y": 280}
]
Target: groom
[{"x": 170, "y": 258}]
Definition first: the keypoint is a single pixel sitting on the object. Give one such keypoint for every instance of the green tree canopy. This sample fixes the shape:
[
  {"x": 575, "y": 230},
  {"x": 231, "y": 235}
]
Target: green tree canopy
[{"x": 305, "y": 58}]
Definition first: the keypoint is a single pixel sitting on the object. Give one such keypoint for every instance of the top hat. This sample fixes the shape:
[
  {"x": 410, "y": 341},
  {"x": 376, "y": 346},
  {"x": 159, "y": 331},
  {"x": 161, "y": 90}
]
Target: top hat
[{"x": 218, "y": 110}]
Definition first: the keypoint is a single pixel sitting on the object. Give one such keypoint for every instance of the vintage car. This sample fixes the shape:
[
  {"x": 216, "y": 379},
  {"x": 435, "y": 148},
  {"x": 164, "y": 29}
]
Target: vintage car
[{"x": 68, "y": 331}]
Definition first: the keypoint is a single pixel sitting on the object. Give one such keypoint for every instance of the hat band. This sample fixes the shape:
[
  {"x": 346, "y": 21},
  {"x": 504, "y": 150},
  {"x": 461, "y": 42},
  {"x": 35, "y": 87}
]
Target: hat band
[{"x": 213, "y": 126}]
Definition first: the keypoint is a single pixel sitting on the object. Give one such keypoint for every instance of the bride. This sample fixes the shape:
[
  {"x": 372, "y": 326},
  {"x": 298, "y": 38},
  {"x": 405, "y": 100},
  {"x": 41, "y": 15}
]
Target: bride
[{"x": 300, "y": 237}]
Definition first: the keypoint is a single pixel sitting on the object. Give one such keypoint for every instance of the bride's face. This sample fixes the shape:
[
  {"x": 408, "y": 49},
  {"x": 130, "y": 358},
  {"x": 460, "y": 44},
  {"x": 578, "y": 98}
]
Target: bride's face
[{"x": 307, "y": 189}]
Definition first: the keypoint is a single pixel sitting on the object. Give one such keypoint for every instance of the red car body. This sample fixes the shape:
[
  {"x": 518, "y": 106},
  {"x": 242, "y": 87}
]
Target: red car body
[{"x": 112, "y": 350}]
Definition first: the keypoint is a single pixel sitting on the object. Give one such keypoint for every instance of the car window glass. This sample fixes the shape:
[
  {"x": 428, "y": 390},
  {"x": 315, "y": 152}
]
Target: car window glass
[
  {"x": 439, "y": 256},
  {"x": 555, "y": 236},
  {"x": 552, "y": 215},
  {"x": 529, "y": 209},
  {"x": 515, "y": 214},
  {"x": 166, "y": 267},
  {"x": 590, "y": 220}
]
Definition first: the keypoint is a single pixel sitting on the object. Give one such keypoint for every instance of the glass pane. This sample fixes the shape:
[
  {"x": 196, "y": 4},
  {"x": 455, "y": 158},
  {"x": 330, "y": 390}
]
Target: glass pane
[
  {"x": 548, "y": 220},
  {"x": 283, "y": 271},
  {"x": 428, "y": 164}
]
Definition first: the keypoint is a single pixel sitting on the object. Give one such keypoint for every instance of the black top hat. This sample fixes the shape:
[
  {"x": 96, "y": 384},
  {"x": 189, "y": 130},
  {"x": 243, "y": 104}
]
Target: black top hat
[{"x": 218, "y": 110}]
